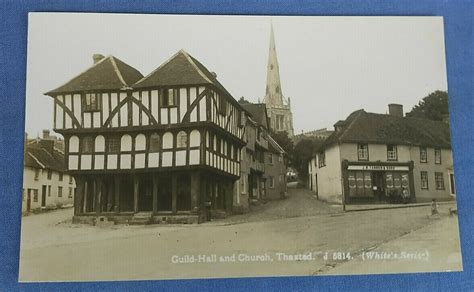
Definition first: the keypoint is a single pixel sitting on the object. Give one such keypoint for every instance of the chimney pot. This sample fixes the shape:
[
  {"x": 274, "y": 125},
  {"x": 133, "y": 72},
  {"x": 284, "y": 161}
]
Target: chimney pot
[
  {"x": 395, "y": 109},
  {"x": 97, "y": 57}
]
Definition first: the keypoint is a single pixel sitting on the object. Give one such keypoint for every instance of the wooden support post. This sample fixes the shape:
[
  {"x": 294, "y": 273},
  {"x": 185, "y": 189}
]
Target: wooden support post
[
  {"x": 230, "y": 196},
  {"x": 215, "y": 194},
  {"x": 203, "y": 196},
  {"x": 84, "y": 201},
  {"x": 174, "y": 191},
  {"x": 155, "y": 193},
  {"x": 92, "y": 196},
  {"x": 117, "y": 194},
  {"x": 98, "y": 195},
  {"x": 195, "y": 190},
  {"x": 135, "y": 193},
  {"x": 79, "y": 196},
  {"x": 110, "y": 196}
]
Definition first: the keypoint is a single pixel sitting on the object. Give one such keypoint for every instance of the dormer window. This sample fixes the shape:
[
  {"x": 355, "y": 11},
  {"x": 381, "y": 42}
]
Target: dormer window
[
  {"x": 92, "y": 102},
  {"x": 169, "y": 97}
]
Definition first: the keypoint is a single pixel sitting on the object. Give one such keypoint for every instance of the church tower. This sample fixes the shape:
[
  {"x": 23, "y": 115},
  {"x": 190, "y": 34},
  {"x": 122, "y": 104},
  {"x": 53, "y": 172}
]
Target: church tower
[{"x": 278, "y": 107}]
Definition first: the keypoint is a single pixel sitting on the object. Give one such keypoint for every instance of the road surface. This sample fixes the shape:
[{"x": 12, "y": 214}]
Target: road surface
[{"x": 288, "y": 237}]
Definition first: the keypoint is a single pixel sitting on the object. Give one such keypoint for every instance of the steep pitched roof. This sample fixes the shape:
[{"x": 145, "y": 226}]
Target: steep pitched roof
[
  {"x": 110, "y": 73},
  {"x": 258, "y": 112},
  {"x": 44, "y": 156},
  {"x": 182, "y": 69},
  {"x": 363, "y": 127}
]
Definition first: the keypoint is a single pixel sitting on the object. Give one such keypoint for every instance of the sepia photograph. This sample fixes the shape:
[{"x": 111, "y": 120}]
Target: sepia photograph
[{"x": 203, "y": 146}]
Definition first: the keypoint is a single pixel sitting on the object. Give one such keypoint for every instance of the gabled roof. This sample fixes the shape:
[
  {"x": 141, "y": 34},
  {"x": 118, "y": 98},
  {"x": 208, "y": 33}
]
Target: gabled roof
[
  {"x": 182, "y": 69},
  {"x": 258, "y": 112},
  {"x": 363, "y": 127},
  {"x": 110, "y": 73},
  {"x": 44, "y": 156}
]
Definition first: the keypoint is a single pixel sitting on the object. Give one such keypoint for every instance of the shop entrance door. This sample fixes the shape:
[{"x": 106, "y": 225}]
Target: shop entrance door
[{"x": 378, "y": 182}]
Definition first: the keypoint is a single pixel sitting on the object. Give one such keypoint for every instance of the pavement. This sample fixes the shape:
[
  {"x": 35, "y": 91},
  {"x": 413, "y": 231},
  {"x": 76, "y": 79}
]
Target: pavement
[{"x": 280, "y": 238}]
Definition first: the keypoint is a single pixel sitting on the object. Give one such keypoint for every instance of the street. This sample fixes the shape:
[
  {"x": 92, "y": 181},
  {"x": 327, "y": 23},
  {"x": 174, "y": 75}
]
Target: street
[{"x": 287, "y": 237}]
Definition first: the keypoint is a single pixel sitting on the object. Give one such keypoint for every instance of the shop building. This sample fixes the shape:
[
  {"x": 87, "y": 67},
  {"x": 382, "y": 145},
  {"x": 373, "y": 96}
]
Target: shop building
[{"x": 384, "y": 158}]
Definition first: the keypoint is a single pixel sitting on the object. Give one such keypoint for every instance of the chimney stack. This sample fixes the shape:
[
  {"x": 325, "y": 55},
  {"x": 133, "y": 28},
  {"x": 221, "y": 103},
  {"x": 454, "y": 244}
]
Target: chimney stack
[
  {"x": 45, "y": 134},
  {"x": 97, "y": 58},
  {"x": 395, "y": 109}
]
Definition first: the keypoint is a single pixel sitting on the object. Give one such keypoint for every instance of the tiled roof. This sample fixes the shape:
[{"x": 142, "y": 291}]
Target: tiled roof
[
  {"x": 363, "y": 127},
  {"x": 109, "y": 73},
  {"x": 44, "y": 156},
  {"x": 182, "y": 69},
  {"x": 258, "y": 112}
]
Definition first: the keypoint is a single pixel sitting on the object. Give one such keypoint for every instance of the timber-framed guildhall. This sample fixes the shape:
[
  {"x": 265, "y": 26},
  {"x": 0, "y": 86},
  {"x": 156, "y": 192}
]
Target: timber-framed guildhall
[{"x": 153, "y": 149}]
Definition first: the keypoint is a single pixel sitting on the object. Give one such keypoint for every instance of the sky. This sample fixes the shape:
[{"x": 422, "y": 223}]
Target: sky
[{"x": 329, "y": 66}]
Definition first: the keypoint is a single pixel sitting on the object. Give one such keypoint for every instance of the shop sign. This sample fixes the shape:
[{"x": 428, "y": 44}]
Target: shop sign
[{"x": 378, "y": 167}]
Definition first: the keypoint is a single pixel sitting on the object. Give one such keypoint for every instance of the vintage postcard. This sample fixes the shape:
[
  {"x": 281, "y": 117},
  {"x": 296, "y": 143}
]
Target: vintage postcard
[{"x": 188, "y": 146}]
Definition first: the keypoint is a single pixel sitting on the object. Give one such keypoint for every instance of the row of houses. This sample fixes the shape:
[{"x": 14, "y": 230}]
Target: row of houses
[
  {"x": 384, "y": 158},
  {"x": 46, "y": 184},
  {"x": 163, "y": 148}
]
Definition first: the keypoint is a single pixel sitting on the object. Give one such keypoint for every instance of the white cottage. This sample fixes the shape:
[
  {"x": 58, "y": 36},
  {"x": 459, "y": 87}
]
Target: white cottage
[{"x": 45, "y": 182}]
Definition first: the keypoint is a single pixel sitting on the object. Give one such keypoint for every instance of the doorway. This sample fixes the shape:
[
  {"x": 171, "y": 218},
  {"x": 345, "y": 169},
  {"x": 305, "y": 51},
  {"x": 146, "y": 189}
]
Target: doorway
[
  {"x": 145, "y": 195},
  {"x": 164, "y": 193},
  {"x": 451, "y": 184},
  {"x": 378, "y": 183},
  {"x": 126, "y": 202},
  {"x": 43, "y": 196},
  {"x": 183, "y": 200}
]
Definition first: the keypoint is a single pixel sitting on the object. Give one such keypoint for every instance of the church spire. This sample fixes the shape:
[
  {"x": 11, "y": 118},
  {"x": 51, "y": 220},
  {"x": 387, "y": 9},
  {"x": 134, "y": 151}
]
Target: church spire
[{"x": 273, "y": 95}]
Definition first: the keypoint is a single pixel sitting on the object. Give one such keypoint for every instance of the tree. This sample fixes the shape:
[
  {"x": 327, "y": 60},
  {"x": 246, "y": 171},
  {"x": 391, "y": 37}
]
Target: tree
[
  {"x": 302, "y": 154},
  {"x": 432, "y": 107},
  {"x": 284, "y": 141}
]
